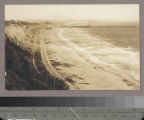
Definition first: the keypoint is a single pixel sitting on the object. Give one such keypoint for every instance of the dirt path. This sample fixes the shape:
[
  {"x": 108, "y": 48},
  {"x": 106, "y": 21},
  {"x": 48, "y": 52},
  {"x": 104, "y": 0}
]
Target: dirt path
[{"x": 74, "y": 63}]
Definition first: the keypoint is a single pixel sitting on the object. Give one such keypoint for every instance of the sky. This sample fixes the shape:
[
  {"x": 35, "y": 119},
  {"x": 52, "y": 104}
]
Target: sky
[{"x": 100, "y": 12}]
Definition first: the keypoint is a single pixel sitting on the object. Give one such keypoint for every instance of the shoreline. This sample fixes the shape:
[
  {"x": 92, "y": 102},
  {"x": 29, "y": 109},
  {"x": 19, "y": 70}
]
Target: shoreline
[{"x": 74, "y": 64}]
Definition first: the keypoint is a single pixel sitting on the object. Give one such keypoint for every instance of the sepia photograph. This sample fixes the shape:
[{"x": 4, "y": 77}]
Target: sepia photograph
[{"x": 72, "y": 47}]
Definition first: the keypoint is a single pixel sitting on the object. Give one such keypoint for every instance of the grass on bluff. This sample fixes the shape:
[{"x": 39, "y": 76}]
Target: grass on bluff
[{"x": 20, "y": 71}]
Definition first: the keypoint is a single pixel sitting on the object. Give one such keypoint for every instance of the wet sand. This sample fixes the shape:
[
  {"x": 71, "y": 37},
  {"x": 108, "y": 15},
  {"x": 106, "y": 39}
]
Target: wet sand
[
  {"x": 81, "y": 59},
  {"x": 98, "y": 69}
]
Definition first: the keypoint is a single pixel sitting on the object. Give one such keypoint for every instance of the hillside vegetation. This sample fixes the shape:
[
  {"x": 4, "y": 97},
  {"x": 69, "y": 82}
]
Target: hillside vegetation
[{"x": 24, "y": 67}]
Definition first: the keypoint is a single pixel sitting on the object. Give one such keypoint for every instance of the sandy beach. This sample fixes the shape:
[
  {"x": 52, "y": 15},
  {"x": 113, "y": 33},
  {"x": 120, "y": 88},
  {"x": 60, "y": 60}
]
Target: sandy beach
[
  {"x": 82, "y": 60},
  {"x": 97, "y": 69}
]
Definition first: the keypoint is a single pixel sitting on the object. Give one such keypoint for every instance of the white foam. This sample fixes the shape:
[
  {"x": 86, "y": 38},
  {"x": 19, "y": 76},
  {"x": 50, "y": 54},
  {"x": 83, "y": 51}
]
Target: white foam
[{"x": 106, "y": 54}]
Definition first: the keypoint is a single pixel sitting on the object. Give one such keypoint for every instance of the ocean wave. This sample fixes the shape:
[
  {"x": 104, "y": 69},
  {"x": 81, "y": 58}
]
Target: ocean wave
[{"x": 98, "y": 51}]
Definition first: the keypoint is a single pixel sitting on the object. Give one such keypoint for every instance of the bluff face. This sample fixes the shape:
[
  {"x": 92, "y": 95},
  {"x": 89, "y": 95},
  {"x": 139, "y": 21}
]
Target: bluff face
[{"x": 23, "y": 62}]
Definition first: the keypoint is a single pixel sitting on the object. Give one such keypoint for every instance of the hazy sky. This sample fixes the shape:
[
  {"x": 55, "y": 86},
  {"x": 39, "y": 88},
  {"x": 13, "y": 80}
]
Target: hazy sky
[{"x": 102, "y": 12}]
